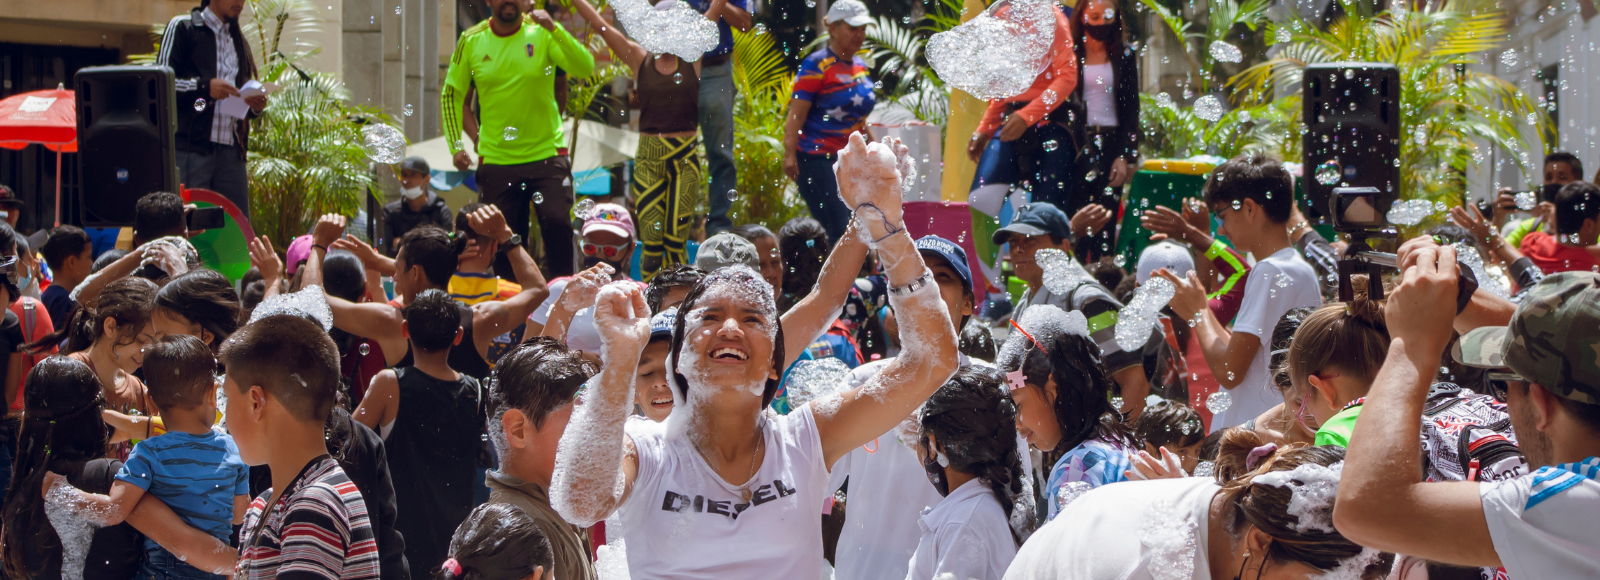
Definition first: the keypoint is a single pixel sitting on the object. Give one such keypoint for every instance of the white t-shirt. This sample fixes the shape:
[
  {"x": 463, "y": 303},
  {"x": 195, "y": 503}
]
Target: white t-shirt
[
  {"x": 1277, "y": 284},
  {"x": 581, "y": 333},
  {"x": 1547, "y": 524},
  {"x": 966, "y": 536},
  {"x": 1099, "y": 96},
  {"x": 1108, "y": 534},
  {"x": 683, "y": 521}
]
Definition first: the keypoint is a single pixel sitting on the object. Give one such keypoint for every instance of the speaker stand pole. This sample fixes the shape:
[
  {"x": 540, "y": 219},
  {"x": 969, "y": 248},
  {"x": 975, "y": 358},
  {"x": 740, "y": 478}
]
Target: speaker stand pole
[{"x": 58, "y": 187}]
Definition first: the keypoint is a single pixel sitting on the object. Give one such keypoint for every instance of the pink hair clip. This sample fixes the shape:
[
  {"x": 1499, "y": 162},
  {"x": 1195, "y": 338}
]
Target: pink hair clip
[
  {"x": 1016, "y": 380},
  {"x": 453, "y": 566}
]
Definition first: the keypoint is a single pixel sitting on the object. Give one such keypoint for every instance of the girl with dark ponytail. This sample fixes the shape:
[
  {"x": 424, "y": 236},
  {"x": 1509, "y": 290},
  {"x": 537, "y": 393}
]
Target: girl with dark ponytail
[
  {"x": 498, "y": 541},
  {"x": 969, "y": 448}
]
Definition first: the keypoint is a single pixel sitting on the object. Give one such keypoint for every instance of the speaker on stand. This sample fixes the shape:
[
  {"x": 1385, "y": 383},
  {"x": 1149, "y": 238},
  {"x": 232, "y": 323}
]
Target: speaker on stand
[
  {"x": 1352, "y": 139},
  {"x": 125, "y": 141}
]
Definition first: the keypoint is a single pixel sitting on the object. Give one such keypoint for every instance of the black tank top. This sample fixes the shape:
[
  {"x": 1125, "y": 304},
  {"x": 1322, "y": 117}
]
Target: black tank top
[
  {"x": 668, "y": 103},
  {"x": 432, "y": 451},
  {"x": 464, "y": 357}
]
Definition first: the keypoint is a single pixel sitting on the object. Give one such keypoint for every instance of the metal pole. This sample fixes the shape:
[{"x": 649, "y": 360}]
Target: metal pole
[{"x": 58, "y": 186}]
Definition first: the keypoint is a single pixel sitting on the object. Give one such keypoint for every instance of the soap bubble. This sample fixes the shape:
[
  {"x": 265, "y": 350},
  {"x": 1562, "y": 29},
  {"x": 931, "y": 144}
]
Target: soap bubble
[
  {"x": 1328, "y": 172},
  {"x": 671, "y": 27},
  {"x": 583, "y": 209},
  {"x": 760, "y": 29},
  {"x": 396, "y": 10},
  {"x": 1225, "y": 52},
  {"x": 999, "y": 53},
  {"x": 1111, "y": 14},
  {"x": 1048, "y": 97},
  {"x": 409, "y": 110},
  {"x": 1282, "y": 35},
  {"x": 510, "y": 134},
  {"x": 1509, "y": 57},
  {"x": 1527, "y": 200},
  {"x": 1219, "y": 401},
  {"x": 733, "y": 194},
  {"x": 384, "y": 143},
  {"x": 538, "y": 197},
  {"x": 365, "y": 349},
  {"x": 1208, "y": 107},
  {"x": 1051, "y": 145},
  {"x": 1164, "y": 100},
  {"x": 677, "y": 78},
  {"x": 199, "y": 104}
]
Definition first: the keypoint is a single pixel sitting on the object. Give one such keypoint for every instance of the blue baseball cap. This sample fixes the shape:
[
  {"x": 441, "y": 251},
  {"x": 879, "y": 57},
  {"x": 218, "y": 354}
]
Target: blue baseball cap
[
  {"x": 661, "y": 324},
  {"x": 952, "y": 254},
  {"x": 1036, "y": 219}
]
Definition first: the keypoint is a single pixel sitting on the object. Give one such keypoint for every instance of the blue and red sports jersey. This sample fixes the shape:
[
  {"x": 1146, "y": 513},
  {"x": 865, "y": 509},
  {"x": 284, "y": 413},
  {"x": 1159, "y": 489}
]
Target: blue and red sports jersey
[{"x": 841, "y": 97}]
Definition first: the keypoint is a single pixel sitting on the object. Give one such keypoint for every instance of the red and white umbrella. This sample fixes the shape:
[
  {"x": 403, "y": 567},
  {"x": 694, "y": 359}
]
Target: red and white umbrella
[{"x": 48, "y": 118}]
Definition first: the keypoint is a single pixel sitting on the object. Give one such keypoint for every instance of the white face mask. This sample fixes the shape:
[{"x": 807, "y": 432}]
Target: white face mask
[{"x": 412, "y": 192}]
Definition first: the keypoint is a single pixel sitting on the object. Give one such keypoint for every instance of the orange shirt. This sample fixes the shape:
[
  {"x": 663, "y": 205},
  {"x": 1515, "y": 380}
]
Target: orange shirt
[{"x": 1061, "y": 77}]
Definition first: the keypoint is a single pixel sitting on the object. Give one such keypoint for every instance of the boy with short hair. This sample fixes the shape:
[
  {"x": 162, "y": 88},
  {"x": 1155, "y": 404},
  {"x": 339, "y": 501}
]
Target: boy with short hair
[
  {"x": 431, "y": 418},
  {"x": 192, "y": 468},
  {"x": 1577, "y": 229},
  {"x": 70, "y": 256},
  {"x": 531, "y": 400},
  {"x": 282, "y": 375},
  {"x": 1254, "y": 197}
]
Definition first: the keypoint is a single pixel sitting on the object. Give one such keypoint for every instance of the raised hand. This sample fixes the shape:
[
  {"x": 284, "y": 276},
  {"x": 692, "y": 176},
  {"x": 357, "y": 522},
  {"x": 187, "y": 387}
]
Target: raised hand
[
  {"x": 266, "y": 260},
  {"x": 1146, "y": 466},
  {"x": 1189, "y": 297},
  {"x": 328, "y": 230},
  {"x": 869, "y": 182},
  {"x": 1421, "y": 309},
  {"x": 490, "y": 222},
  {"x": 585, "y": 286},
  {"x": 622, "y": 317},
  {"x": 370, "y": 258}
]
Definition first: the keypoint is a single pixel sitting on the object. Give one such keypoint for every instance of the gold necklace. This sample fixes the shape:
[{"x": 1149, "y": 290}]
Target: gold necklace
[{"x": 744, "y": 490}]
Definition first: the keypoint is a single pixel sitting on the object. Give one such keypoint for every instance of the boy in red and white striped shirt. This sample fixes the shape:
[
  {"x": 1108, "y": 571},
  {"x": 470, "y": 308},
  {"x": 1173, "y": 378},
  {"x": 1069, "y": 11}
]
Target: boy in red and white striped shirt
[{"x": 282, "y": 374}]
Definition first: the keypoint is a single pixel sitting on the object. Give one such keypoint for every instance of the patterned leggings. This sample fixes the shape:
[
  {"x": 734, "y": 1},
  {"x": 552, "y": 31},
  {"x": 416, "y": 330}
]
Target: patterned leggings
[{"x": 667, "y": 187}]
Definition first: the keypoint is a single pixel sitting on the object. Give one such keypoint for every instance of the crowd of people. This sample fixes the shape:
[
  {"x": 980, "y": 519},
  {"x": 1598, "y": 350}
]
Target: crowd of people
[
  {"x": 626, "y": 396},
  {"x": 794, "y": 406}
]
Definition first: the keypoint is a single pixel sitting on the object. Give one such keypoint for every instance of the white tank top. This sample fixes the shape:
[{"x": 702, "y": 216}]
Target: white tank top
[
  {"x": 683, "y": 521},
  {"x": 1098, "y": 95}
]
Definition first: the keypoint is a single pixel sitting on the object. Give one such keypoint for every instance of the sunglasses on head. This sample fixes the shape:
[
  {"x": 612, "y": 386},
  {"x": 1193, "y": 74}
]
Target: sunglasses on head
[
  {"x": 609, "y": 252},
  {"x": 1498, "y": 384}
]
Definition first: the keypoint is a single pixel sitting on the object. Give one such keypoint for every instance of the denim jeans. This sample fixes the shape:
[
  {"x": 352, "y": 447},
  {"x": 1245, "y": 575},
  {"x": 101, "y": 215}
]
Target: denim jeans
[
  {"x": 222, "y": 170},
  {"x": 820, "y": 189},
  {"x": 1044, "y": 156},
  {"x": 160, "y": 564},
  {"x": 716, "y": 126}
]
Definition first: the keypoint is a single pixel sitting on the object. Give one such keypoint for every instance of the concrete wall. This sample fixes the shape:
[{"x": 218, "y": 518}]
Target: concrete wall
[{"x": 1543, "y": 34}]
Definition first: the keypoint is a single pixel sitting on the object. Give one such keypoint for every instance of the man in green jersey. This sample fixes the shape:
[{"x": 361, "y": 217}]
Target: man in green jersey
[{"x": 512, "y": 62}]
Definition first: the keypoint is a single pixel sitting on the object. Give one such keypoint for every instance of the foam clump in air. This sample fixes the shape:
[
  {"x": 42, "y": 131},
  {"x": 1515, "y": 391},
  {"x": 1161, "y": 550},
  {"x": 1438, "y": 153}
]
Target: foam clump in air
[
  {"x": 1168, "y": 533},
  {"x": 999, "y": 53},
  {"x": 1142, "y": 313},
  {"x": 1045, "y": 322},
  {"x": 384, "y": 143},
  {"x": 1410, "y": 212},
  {"x": 1061, "y": 272},
  {"x": 1467, "y": 255},
  {"x": 668, "y": 27},
  {"x": 1314, "y": 488},
  {"x": 812, "y": 380},
  {"x": 308, "y": 303}
]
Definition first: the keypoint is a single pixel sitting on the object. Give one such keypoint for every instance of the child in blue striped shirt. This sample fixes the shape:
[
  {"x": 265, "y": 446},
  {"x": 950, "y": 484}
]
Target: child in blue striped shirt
[{"x": 192, "y": 468}]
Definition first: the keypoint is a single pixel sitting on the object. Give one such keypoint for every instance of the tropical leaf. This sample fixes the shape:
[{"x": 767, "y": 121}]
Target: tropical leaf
[{"x": 764, "y": 83}]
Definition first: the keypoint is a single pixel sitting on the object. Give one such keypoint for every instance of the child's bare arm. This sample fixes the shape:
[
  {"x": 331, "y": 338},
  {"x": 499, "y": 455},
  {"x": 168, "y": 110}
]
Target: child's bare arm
[
  {"x": 241, "y": 504},
  {"x": 105, "y": 510},
  {"x": 126, "y": 427},
  {"x": 158, "y": 522}
]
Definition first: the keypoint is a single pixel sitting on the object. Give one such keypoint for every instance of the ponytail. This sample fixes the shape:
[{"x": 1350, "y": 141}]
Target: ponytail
[
  {"x": 128, "y": 301},
  {"x": 1350, "y": 336},
  {"x": 497, "y": 542}
]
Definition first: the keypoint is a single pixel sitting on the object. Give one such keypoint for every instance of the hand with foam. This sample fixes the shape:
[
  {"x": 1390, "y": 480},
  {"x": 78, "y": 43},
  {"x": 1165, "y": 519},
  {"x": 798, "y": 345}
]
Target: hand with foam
[
  {"x": 869, "y": 182},
  {"x": 622, "y": 317}
]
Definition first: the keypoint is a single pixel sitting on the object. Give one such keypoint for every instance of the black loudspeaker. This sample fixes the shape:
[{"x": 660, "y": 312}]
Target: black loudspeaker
[
  {"x": 125, "y": 140},
  {"x": 1352, "y": 139}
]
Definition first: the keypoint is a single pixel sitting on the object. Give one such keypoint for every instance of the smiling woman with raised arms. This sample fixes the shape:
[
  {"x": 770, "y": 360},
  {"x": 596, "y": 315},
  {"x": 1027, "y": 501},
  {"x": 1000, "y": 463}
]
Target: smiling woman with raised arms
[{"x": 727, "y": 489}]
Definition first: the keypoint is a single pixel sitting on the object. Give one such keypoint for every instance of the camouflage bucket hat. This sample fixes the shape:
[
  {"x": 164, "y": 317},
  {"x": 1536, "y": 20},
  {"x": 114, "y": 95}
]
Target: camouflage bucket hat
[{"x": 1553, "y": 339}]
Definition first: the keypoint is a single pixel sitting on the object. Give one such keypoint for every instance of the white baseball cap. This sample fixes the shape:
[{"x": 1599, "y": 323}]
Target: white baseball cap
[
  {"x": 1173, "y": 257},
  {"x": 852, "y": 12}
]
